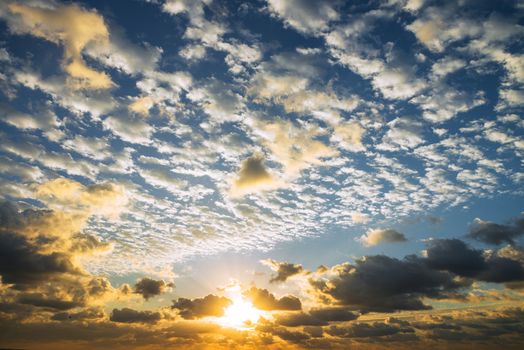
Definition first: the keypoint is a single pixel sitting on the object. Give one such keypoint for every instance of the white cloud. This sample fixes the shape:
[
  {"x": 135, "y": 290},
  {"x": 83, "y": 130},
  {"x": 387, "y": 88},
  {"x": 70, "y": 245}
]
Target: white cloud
[
  {"x": 403, "y": 133},
  {"x": 305, "y": 15},
  {"x": 129, "y": 128},
  {"x": 377, "y": 236}
]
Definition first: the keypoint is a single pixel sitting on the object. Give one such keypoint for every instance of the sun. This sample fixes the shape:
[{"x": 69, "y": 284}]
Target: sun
[{"x": 241, "y": 314}]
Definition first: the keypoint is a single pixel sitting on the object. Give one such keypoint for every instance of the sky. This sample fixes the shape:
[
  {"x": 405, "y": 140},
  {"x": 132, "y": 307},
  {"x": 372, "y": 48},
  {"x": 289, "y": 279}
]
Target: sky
[{"x": 277, "y": 174}]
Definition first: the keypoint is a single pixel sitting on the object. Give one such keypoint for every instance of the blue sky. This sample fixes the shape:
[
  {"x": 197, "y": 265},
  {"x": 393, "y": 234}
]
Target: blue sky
[{"x": 209, "y": 142}]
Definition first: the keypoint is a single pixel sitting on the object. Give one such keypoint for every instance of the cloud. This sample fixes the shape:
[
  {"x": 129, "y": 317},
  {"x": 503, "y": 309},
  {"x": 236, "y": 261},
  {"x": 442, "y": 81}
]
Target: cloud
[
  {"x": 492, "y": 233},
  {"x": 264, "y": 300},
  {"x": 23, "y": 265},
  {"x": 94, "y": 313},
  {"x": 75, "y": 28},
  {"x": 268, "y": 86},
  {"x": 295, "y": 148},
  {"x": 46, "y": 120},
  {"x": 40, "y": 261},
  {"x": 163, "y": 177},
  {"x": 443, "y": 102},
  {"x": 218, "y": 100},
  {"x": 455, "y": 256},
  {"x": 383, "y": 284},
  {"x": 333, "y": 314},
  {"x": 210, "y": 305},
  {"x": 283, "y": 270},
  {"x": 127, "y": 315},
  {"x": 91, "y": 147},
  {"x": 315, "y": 317},
  {"x": 368, "y": 330},
  {"x": 404, "y": 133},
  {"x": 376, "y": 236},
  {"x": 397, "y": 83},
  {"x": 253, "y": 177},
  {"x": 129, "y": 129},
  {"x": 438, "y": 27},
  {"x": 93, "y": 102},
  {"x": 349, "y": 135},
  {"x": 142, "y": 105},
  {"x": 148, "y": 287},
  {"x": 305, "y": 15},
  {"x": 105, "y": 199}
]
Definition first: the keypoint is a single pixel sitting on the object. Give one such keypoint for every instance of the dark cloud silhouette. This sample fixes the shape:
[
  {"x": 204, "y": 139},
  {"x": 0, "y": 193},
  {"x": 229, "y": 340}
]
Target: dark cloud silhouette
[
  {"x": 330, "y": 314},
  {"x": 455, "y": 256},
  {"x": 368, "y": 330},
  {"x": 262, "y": 299},
  {"x": 383, "y": 284},
  {"x": 284, "y": 270},
  {"x": 148, "y": 287},
  {"x": 127, "y": 315},
  {"x": 41, "y": 300},
  {"x": 315, "y": 317},
  {"x": 297, "y": 319},
  {"x": 210, "y": 305},
  {"x": 87, "y": 314},
  {"x": 492, "y": 233},
  {"x": 22, "y": 265}
]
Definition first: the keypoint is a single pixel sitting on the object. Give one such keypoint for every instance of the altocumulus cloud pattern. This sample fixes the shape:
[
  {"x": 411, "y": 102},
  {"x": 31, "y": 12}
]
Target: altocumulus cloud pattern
[{"x": 209, "y": 174}]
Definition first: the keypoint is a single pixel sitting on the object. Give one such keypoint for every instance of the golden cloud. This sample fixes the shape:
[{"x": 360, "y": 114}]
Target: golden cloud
[
  {"x": 295, "y": 148},
  {"x": 253, "y": 177},
  {"x": 100, "y": 199},
  {"x": 74, "y": 28},
  {"x": 142, "y": 105}
]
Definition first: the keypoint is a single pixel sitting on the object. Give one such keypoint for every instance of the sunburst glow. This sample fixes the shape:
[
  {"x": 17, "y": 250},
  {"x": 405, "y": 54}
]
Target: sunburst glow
[{"x": 241, "y": 314}]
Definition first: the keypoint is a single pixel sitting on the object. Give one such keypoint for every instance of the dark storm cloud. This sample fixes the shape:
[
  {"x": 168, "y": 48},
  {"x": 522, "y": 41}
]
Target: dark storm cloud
[
  {"x": 492, "y": 233},
  {"x": 455, "y": 256},
  {"x": 383, "y": 284},
  {"x": 148, "y": 287},
  {"x": 210, "y": 305},
  {"x": 127, "y": 315},
  {"x": 262, "y": 299}
]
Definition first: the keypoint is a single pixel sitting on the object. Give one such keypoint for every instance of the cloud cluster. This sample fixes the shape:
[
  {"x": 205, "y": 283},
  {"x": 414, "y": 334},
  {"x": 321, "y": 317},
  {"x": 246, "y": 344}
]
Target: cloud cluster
[
  {"x": 41, "y": 269},
  {"x": 73, "y": 27},
  {"x": 384, "y": 284},
  {"x": 264, "y": 300},
  {"x": 210, "y": 305},
  {"x": 493, "y": 233}
]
